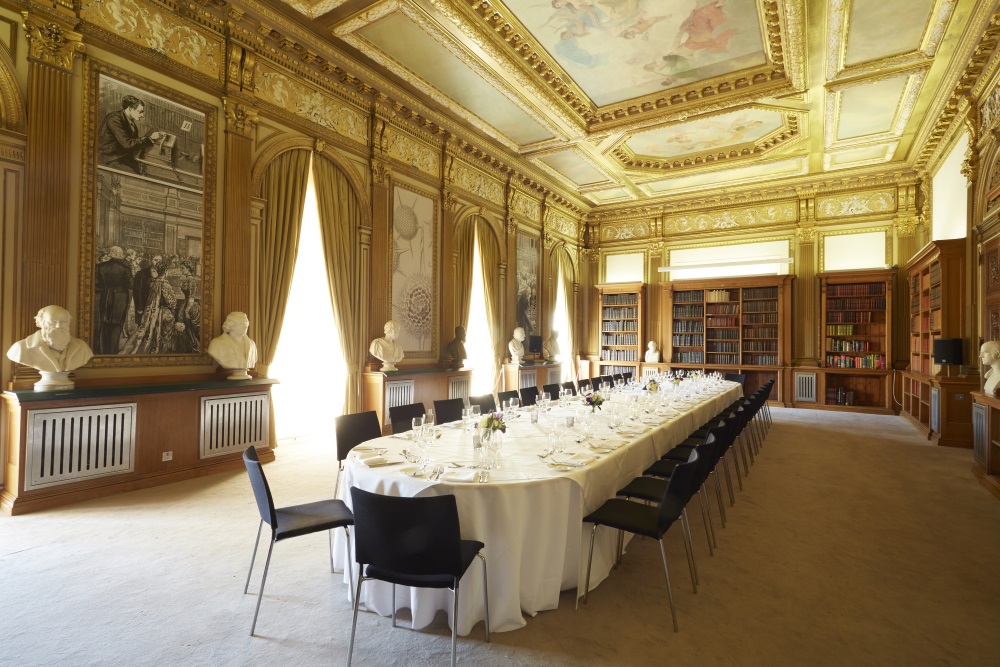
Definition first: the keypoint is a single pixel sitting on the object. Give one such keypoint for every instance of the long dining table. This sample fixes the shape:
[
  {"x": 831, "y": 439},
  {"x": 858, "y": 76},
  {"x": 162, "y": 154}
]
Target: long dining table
[{"x": 529, "y": 512}]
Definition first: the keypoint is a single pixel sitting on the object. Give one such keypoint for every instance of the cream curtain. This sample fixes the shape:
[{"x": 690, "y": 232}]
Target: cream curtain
[
  {"x": 339, "y": 220},
  {"x": 464, "y": 240},
  {"x": 284, "y": 190},
  {"x": 489, "y": 253},
  {"x": 566, "y": 268}
]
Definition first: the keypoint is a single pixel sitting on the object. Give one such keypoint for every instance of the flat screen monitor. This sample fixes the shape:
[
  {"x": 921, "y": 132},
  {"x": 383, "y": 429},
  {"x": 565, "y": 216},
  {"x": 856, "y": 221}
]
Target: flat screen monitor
[{"x": 535, "y": 344}]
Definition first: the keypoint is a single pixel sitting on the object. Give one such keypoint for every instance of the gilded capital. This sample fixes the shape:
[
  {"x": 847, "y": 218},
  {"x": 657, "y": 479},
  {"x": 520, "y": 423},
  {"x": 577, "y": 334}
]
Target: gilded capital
[
  {"x": 511, "y": 225},
  {"x": 381, "y": 173},
  {"x": 807, "y": 234},
  {"x": 970, "y": 166},
  {"x": 51, "y": 43},
  {"x": 590, "y": 254},
  {"x": 240, "y": 119},
  {"x": 907, "y": 227},
  {"x": 450, "y": 201}
]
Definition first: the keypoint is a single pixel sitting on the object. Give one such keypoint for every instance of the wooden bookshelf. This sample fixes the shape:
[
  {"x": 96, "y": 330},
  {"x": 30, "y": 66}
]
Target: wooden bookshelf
[
  {"x": 856, "y": 338},
  {"x": 622, "y": 327},
  {"x": 731, "y": 325},
  {"x": 934, "y": 399}
]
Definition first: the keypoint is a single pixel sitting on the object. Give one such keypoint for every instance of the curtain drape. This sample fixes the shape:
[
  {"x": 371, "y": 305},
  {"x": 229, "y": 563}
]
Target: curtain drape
[
  {"x": 464, "y": 241},
  {"x": 340, "y": 219},
  {"x": 566, "y": 271},
  {"x": 489, "y": 253},
  {"x": 284, "y": 189}
]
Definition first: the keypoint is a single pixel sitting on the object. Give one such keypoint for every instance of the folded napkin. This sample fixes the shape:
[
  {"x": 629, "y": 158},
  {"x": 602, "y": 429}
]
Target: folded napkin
[
  {"x": 578, "y": 459},
  {"x": 460, "y": 475}
]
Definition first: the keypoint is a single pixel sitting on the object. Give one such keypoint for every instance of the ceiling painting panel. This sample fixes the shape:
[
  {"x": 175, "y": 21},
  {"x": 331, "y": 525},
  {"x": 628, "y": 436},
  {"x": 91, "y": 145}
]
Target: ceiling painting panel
[
  {"x": 869, "y": 108},
  {"x": 748, "y": 174},
  {"x": 617, "y": 50},
  {"x": 867, "y": 36},
  {"x": 707, "y": 134},
  {"x": 574, "y": 167}
]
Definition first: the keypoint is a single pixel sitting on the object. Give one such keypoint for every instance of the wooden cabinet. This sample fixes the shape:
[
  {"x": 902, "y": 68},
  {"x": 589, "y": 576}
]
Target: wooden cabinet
[
  {"x": 384, "y": 390},
  {"x": 622, "y": 327},
  {"x": 986, "y": 464},
  {"x": 936, "y": 399},
  {"x": 733, "y": 325},
  {"x": 857, "y": 334}
]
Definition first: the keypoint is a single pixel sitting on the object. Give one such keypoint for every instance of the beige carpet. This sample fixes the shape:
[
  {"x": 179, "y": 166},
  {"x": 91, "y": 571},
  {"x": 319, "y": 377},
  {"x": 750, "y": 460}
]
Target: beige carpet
[{"x": 853, "y": 543}]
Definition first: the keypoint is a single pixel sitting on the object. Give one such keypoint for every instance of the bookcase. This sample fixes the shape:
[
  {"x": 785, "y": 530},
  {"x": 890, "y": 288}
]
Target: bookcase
[
  {"x": 622, "y": 327},
  {"x": 856, "y": 331},
  {"x": 937, "y": 401},
  {"x": 731, "y": 325}
]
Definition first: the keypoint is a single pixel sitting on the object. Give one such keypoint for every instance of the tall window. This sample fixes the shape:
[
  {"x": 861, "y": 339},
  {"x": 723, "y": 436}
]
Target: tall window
[
  {"x": 561, "y": 323},
  {"x": 308, "y": 362},
  {"x": 478, "y": 340}
]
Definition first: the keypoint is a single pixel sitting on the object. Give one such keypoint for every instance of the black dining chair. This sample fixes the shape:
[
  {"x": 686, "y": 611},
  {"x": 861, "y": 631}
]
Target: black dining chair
[
  {"x": 413, "y": 542},
  {"x": 449, "y": 410},
  {"x": 552, "y": 390},
  {"x": 570, "y": 387},
  {"x": 505, "y": 396},
  {"x": 401, "y": 416},
  {"x": 647, "y": 520},
  {"x": 616, "y": 377},
  {"x": 627, "y": 377},
  {"x": 486, "y": 403},
  {"x": 351, "y": 431},
  {"x": 529, "y": 396},
  {"x": 292, "y": 521},
  {"x": 607, "y": 379},
  {"x": 585, "y": 385},
  {"x": 737, "y": 377}
]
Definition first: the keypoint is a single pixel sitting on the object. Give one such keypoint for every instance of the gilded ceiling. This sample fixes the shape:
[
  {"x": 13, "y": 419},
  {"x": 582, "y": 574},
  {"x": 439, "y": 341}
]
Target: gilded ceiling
[{"x": 623, "y": 101}]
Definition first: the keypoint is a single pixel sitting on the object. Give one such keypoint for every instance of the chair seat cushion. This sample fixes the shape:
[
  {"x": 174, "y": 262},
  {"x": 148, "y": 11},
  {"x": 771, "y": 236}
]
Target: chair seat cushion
[
  {"x": 633, "y": 517},
  {"x": 443, "y": 580},
  {"x": 311, "y": 518},
  {"x": 645, "y": 488},
  {"x": 665, "y": 467}
]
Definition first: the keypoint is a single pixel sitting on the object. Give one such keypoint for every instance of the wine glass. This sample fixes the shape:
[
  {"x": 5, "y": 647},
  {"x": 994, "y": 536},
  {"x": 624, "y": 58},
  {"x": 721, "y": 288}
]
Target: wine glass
[
  {"x": 417, "y": 423},
  {"x": 429, "y": 417}
]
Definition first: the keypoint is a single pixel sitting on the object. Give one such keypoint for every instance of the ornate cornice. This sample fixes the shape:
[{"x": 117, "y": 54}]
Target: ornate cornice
[{"x": 50, "y": 42}]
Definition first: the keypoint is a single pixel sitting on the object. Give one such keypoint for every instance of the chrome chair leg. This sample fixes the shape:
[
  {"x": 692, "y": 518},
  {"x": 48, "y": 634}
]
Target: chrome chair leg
[
  {"x": 454, "y": 622},
  {"x": 670, "y": 594},
  {"x": 743, "y": 453},
  {"x": 253, "y": 558},
  {"x": 350, "y": 568},
  {"x": 394, "y": 605},
  {"x": 590, "y": 561},
  {"x": 354, "y": 624},
  {"x": 260, "y": 593},
  {"x": 689, "y": 549},
  {"x": 729, "y": 480},
  {"x": 706, "y": 516},
  {"x": 736, "y": 467},
  {"x": 718, "y": 496},
  {"x": 486, "y": 597}
]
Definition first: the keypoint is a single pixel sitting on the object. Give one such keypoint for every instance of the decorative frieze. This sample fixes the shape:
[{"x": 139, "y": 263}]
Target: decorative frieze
[
  {"x": 624, "y": 231},
  {"x": 524, "y": 206},
  {"x": 476, "y": 182},
  {"x": 164, "y": 32},
  {"x": 409, "y": 151},
  {"x": 859, "y": 203},
  {"x": 756, "y": 216}
]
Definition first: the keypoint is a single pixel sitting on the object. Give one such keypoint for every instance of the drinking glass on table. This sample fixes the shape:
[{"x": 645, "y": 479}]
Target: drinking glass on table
[
  {"x": 418, "y": 423},
  {"x": 429, "y": 417}
]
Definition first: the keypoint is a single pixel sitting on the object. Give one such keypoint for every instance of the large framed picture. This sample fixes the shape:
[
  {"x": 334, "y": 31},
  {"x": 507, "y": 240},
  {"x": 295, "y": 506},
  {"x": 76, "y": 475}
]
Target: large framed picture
[
  {"x": 414, "y": 249},
  {"x": 528, "y": 261},
  {"x": 147, "y": 238}
]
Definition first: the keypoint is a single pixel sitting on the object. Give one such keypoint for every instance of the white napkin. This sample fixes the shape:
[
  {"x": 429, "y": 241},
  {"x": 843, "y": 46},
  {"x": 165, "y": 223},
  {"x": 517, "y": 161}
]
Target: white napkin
[
  {"x": 460, "y": 475},
  {"x": 376, "y": 461}
]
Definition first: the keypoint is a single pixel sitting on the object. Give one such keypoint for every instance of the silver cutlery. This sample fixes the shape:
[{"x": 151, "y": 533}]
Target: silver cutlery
[{"x": 484, "y": 476}]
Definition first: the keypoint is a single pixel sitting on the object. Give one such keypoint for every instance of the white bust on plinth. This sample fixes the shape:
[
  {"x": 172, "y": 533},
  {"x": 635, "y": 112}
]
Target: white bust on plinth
[
  {"x": 652, "y": 353},
  {"x": 386, "y": 349},
  {"x": 233, "y": 350},
  {"x": 52, "y": 350},
  {"x": 550, "y": 348},
  {"x": 516, "y": 346},
  {"x": 989, "y": 355}
]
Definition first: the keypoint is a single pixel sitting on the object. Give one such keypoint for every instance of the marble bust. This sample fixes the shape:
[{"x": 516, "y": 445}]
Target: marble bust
[
  {"x": 386, "y": 349},
  {"x": 456, "y": 350},
  {"x": 989, "y": 355},
  {"x": 550, "y": 348},
  {"x": 52, "y": 350},
  {"x": 516, "y": 346},
  {"x": 233, "y": 350},
  {"x": 652, "y": 353}
]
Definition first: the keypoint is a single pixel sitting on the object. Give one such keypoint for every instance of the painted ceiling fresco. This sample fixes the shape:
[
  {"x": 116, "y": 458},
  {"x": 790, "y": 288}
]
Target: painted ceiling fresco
[{"x": 629, "y": 100}]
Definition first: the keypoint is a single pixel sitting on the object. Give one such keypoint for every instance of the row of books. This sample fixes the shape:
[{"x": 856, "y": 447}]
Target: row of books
[
  {"x": 760, "y": 332},
  {"x": 725, "y": 359},
  {"x": 689, "y": 311},
  {"x": 619, "y": 339},
  {"x": 760, "y": 293},
  {"x": 760, "y": 346},
  {"x": 723, "y": 309},
  {"x": 619, "y": 355},
  {"x": 839, "y": 396},
  {"x": 760, "y": 306},
  {"x": 836, "y": 345},
  {"x": 761, "y": 359},
  {"x": 619, "y": 313},
  {"x": 760, "y": 318},
  {"x": 684, "y": 357},
  {"x": 620, "y": 299},
  {"x": 723, "y": 321},
  {"x": 688, "y": 326},
  {"x": 688, "y": 340},
  {"x": 870, "y": 361},
  {"x": 692, "y": 296},
  {"x": 718, "y": 295},
  {"x": 724, "y": 334},
  {"x": 849, "y": 317},
  {"x": 856, "y": 289},
  {"x": 619, "y": 326},
  {"x": 723, "y": 347},
  {"x": 866, "y": 303}
]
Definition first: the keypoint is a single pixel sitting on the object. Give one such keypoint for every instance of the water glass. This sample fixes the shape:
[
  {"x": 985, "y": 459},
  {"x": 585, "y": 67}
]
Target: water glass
[
  {"x": 429, "y": 417},
  {"x": 418, "y": 423},
  {"x": 476, "y": 411}
]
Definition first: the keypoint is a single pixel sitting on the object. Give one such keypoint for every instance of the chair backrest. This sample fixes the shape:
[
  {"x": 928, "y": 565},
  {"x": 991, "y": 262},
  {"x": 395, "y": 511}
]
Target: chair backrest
[
  {"x": 352, "y": 430},
  {"x": 627, "y": 376},
  {"x": 449, "y": 410},
  {"x": 677, "y": 494},
  {"x": 506, "y": 396},
  {"x": 552, "y": 390},
  {"x": 569, "y": 385},
  {"x": 585, "y": 384},
  {"x": 261, "y": 491},
  {"x": 607, "y": 378},
  {"x": 402, "y": 416},
  {"x": 737, "y": 377},
  {"x": 486, "y": 403},
  {"x": 618, "y": 376},
  {"x": 407, "y": 535},
  {"x": 529, "y": 395}
]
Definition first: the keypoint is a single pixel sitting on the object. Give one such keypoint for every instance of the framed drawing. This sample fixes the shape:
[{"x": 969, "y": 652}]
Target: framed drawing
[
  {"x": 147, "y": 238},
  {"x": 414, "y": 277},
  {"x": 528, "y": 260}
]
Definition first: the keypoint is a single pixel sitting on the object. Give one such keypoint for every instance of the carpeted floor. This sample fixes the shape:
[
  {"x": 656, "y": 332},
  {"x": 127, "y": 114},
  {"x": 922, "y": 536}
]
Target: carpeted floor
[{"x": 853, "y": 543}]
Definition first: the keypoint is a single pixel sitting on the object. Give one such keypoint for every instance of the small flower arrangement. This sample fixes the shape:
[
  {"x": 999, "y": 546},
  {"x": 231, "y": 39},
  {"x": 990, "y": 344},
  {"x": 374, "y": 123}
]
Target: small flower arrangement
[
  {"x": 493, "y": 421},
  {"x": 652, "y": 385},
  {"x": 594, "y": 400}
]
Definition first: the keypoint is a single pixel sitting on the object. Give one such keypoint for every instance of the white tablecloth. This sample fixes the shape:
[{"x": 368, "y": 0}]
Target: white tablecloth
[{"x": 528, "y": 515}]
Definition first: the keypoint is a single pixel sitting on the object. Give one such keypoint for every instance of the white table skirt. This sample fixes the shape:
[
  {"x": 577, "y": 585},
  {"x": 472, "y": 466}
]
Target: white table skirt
[{"x": 529, "y": 517}]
